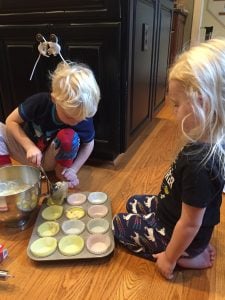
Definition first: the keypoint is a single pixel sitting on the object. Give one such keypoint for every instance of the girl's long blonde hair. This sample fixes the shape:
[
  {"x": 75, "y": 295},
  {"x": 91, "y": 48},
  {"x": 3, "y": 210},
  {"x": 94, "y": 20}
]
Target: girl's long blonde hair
[{"x": 201, "y": 71}]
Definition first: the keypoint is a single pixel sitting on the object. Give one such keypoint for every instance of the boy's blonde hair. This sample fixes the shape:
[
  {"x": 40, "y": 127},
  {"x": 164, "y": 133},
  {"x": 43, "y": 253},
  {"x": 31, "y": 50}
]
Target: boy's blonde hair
[
  {"x": 75, "y": 90},
  {"x": 201, "y": 71}
]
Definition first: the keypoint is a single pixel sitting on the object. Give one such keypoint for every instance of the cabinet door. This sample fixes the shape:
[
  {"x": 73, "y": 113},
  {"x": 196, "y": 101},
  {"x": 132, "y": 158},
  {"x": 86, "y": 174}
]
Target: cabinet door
[
  {"x": 162, "y": 52},
  {"x": 17, "y": 58},
  {"x": 97, "y": 45},
  {"x": 139, "y": 105},
  {"x": 177, "y": 35}
]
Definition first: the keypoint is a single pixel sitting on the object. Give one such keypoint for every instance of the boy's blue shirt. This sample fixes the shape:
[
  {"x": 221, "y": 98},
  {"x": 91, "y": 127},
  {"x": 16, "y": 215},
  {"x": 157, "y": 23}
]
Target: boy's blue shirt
[{"x": 40, "y": 122}]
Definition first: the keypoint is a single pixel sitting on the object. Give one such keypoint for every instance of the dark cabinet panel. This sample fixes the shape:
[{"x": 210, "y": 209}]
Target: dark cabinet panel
[
  {"x": 100, "y": 49},
  {"x": 140, "y": 87},
  {"x": 177, "y": 34},
  {"x": 70, "y": 10},
  {"x": 163, "y": 46},
  {"x": 140, "y": 105},
  {"x": 148, "y": 67},
  {"x": 124, "y": 42},
  {"x": 17, "y": 57}
]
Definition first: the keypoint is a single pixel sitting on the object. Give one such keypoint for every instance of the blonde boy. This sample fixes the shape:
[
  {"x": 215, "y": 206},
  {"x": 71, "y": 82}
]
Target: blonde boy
[{"x": 55, "y": 129}]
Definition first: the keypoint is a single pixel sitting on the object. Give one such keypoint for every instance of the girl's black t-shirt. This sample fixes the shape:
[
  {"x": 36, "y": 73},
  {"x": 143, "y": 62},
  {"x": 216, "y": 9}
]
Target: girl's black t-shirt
[{"x": 190, "y": 181}]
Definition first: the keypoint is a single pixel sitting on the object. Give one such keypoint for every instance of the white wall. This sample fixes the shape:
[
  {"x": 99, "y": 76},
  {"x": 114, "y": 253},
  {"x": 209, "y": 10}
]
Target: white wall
[{"x": 209, "y": 19}]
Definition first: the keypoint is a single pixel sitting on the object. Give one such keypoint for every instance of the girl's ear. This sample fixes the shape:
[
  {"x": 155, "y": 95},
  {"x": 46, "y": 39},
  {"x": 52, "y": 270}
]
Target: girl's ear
[
  {"x": 200, "y": 100},
  {"x": 203, "y": 103}
]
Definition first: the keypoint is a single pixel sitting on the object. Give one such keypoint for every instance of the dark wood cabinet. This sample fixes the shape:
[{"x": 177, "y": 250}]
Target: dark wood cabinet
[
  {"x": 177, "y": 33},
  {"x": 139, "y": 106},
  {"x": 124, "y": 42},
  {"x": 147, "y": 66},
  {"x": 162, "y": 52},
  {"x": 15, "y": 11}
]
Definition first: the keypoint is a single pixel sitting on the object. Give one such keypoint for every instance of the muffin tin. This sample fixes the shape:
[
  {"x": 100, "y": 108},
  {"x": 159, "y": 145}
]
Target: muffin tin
[{"x": 88, "y": 236}]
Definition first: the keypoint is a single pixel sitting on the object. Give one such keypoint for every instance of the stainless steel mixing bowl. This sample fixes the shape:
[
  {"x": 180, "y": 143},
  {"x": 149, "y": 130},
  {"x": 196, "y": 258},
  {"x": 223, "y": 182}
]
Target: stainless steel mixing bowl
[{"x": 20, "y": 189}]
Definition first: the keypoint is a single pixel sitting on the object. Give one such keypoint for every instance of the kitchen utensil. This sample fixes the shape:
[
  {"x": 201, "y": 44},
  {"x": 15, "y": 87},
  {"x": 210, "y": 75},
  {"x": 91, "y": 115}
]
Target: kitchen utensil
[
  {"x": 57, "y": 191},
  {"x": 20, "y": 189},
  {"x": 52, "y": 187},
  {"x": 4, "y": 274}
]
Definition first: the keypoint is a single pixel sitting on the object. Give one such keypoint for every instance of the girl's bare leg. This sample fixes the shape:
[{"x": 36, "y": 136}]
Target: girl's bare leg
[{"x": 202, "y": 261}]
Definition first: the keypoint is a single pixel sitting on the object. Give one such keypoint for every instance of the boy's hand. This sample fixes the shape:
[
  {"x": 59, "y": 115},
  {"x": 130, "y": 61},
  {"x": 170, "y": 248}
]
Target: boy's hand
[
  {"x": 70, "y": 176},
  {"x": 34, "y": 156},
  {"x": 67, "y": 174},
  {"x": 164, "y": 266}
]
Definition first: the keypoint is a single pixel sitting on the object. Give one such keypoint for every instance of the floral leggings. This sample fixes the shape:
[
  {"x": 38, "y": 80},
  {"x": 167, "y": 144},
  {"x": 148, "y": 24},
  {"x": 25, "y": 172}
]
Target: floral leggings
[{"x": 139, "y": 230}]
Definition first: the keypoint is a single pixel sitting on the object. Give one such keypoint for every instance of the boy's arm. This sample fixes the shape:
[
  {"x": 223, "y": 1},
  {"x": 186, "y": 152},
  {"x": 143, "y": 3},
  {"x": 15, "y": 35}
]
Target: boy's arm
[
  {"x": 83, "y": 154},
  {"x": 183, "y": 234},
  {"x": 70, "y": 174},
  {"x": 13, "y": 125}
]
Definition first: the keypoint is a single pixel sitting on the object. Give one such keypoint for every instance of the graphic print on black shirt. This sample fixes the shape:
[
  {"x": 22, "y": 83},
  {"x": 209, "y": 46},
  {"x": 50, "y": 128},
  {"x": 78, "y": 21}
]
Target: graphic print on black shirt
[
  {"x": 192, "y": 183},
  {"x": 167, "y": 183}
]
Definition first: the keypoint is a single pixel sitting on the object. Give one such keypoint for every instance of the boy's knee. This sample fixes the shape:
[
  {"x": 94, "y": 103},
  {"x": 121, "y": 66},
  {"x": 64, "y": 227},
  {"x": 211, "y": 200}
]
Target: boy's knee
[
  {"x": 68, "y": 142},
  {"x": 67, "y": 139}
]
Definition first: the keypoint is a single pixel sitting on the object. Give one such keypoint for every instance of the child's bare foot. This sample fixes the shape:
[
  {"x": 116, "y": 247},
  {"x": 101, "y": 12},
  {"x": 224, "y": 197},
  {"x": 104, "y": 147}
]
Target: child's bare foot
[{"x": 202, "y": 261}]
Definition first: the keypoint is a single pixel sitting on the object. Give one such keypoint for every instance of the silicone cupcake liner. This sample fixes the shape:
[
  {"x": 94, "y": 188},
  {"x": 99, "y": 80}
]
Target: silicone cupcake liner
[
  {"x": 68, "y": 230},
  {"x": 75, "y": 212},
  {"x": 43, "y": 247},
  {"x": 76, "y": 199},
  {"x": 73, "y": 227},
  {"x": 98, "y": 226},
  {"x": 97, "y": 211},
  {"x": 71, "y": 245},
  {"x": 49, "y": 228},
  {"x": 98, "y": 243},
  {"x": 97, "y": 197},
  {"x": 52, "y": 213}
]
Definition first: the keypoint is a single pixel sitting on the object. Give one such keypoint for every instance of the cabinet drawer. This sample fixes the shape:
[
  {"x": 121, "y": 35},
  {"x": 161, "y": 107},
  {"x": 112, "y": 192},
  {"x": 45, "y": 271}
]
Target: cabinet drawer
[{"x": 23, "y": 11}]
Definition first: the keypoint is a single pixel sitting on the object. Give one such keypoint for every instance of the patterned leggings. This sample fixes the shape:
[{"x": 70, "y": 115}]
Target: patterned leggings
[{"x": 138, "y": 229}]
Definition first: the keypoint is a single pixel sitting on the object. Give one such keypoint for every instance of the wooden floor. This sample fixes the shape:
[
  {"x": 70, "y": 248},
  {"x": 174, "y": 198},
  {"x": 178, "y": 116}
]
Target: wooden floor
[{"x": 122, "y": 276}]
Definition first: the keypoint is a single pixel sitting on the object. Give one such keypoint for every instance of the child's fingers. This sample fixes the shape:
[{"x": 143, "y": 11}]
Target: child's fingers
[
  {"x": 72, "y": 184},
  {"x": 38, "y": 159},
  {"x": 168, "y": 276}
]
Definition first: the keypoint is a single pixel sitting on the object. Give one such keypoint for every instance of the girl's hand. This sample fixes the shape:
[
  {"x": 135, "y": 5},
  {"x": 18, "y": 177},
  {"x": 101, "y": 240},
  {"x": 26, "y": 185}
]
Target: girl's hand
[
  {"x": 164, "y": 266},
  {"x": 34, "y": 156}
]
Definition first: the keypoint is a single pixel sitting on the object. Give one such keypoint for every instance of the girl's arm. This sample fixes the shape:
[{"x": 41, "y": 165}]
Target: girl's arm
[
  {"x": 13, "y": 125},
  {"x": 183, "y": 234}
]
